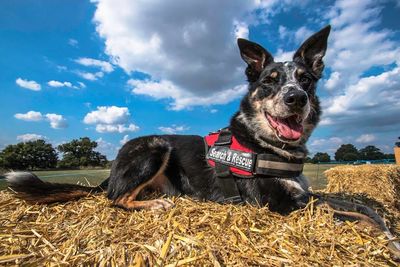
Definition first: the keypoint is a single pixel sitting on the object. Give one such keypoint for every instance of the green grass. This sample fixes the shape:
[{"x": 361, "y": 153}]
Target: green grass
[{"x": 95, "y": 177}]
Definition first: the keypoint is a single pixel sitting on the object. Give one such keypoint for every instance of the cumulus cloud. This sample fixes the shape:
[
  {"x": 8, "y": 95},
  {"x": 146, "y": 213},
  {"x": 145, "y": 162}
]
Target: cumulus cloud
[
  {"x": 372, "y": 103},
  {"x": 30, "y": 137},
  {"x": 107, "y": 115},
  {"x": 91, "y": 62},
  {"x": 174, "y": 129},
  {"x": 90, "y": 76},
  {"x": 124, "y": 140},
  {"x": 116, "y": 128},
  {"x": 181, "y": 98},
  {"x": 366, "y": 138},
  {"x": 57, "y": 84},
  {"x": 355, "y": 44},
  {"x": 29, "y": 116},
  {"x": 56, "y": 121},
  {"x": 110, "y": 119},
  {"x": 54, "y": 83},
  {"x": 282, "y": 56},
  {"x": 31, "y": 85},
  {"x": 190, "y": 49},
  {"x": 301, "y": 34},
  {"x": 106, "y": 148},
  {"x": 329, "y": 145}
]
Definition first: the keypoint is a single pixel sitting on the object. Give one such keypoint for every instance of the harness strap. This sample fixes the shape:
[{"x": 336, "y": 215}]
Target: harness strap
[
  {"x": 225, "y": 180},
  {"x": 275, "y": 166}
]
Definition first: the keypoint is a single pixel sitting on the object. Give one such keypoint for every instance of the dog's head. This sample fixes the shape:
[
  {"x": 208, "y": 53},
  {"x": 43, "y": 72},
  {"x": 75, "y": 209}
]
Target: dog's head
[{"x": 281, "y": 105}]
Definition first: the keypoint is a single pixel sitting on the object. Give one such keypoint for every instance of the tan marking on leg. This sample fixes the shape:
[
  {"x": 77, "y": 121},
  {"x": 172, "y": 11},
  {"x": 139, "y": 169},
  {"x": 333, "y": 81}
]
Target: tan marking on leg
[
  {"x": 128, "y": 200},
  {"x": 154, "y": 204}
]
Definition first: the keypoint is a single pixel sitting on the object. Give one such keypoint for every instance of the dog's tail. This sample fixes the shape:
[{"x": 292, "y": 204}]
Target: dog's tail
[
  {"x": 33, "y": 190},
  {"x": 344, "y": 210}
]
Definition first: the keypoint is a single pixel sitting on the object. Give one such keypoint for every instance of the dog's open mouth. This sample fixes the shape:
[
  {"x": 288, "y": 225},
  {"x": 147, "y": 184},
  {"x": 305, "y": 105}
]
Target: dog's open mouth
[{"x": 289, "y": 128}]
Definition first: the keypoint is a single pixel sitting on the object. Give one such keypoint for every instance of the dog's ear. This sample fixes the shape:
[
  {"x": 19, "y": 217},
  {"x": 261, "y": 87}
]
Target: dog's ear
[
  {"x": 256, "y": 58},
  {"x": 313, "y": 50}
]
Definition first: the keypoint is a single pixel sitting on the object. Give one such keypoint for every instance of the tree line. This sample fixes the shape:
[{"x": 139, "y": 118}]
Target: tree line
[
  {"x": 349, "y": 152},
  {"x": 39, "y": 154}
]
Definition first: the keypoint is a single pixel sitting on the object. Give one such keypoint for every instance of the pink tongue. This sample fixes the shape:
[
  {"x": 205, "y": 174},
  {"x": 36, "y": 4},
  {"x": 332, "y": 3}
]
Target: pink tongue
[{"x": 289, "y": 129}]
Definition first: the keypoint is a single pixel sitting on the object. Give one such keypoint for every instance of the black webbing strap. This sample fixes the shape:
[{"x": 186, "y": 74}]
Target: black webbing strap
[
  {"x": 276, "y": 166},
  {"x": 225, "y": 180}
]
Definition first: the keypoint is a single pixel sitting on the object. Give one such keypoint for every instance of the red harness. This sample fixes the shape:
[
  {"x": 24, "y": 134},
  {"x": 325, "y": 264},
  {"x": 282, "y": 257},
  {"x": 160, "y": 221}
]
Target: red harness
[{"x": 235, "y": 145}]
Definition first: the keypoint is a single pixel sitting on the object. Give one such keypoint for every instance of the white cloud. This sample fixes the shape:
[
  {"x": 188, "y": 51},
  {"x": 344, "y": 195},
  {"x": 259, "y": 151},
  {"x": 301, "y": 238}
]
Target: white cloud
[
  {"x": 174, "y": 129},
  {"x": 58, "y": 84},
  {"x": 31, "y": 85},
  {"x": 53, "y": 83},
  {"x": 333, "y": 81},
  {"x": 366, "y": 138},
  {"x": 241, "y": 29},
  {"x": 82, "y": 85},
  {"x": 283, "y": 32},
  {"x": 109, "y": 119},
  {"x": 124, "y": 140},
  {"x": 116, "y": 128},
  {"x": 282, "y": 56},
  {"x": 73, "y": 42},
  {"x": 107, "y": 115},
  {"x": 328, "y": 145},
  {"x": 106, "y": 148},
  {"x": 56, "y": 121},
  {"x": 29, "y": 116},
  {"x": 179, "y": 42},
  {"x": 355, "y": 44},
  {"x": 90, "y": 76},
  {"x": 91, "y": 62},
  {"x": 372, "y": 102},
  {"x": 30, "y": 137},
  {"x": 181, "y": 98},
  {"x": 301, "y": 34}
]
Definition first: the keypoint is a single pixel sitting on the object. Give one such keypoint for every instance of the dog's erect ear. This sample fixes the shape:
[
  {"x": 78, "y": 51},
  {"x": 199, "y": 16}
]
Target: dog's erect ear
[
  {"x": 313, "y": 50},
  {"x": 255, "y": 56}
]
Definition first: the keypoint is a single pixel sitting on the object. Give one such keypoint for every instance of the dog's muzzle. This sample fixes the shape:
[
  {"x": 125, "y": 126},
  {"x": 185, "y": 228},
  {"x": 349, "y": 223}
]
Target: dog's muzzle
[{"x": 295, "y": 99}]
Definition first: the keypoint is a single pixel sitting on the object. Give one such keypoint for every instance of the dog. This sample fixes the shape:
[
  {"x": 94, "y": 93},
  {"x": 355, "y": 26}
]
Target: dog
[{"x": 256, "y": 160}]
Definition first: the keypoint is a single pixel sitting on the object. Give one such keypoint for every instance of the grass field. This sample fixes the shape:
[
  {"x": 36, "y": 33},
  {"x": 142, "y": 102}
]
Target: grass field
[{"x": 94, "y": 177}]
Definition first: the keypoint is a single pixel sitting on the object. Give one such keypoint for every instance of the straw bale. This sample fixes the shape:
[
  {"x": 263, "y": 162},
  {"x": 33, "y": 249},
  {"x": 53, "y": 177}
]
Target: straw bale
[
  {"x": 381, "y": 182},
  {"x": 91, "y": 232},
  {"x": 376, "y": 185}
]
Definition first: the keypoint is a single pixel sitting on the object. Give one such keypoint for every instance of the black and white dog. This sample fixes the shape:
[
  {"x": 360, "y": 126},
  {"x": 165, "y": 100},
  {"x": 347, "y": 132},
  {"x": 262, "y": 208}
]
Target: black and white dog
[{"x": 275, "y": 119}]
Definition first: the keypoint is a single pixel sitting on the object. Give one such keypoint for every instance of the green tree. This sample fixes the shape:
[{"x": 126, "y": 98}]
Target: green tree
[
  {"x": 389, "y": 156},
  {"x": 308, "y": 160},
  {"x": 371, "y": 153},
  {"x": 80, "y": 153},
  {"x": 321, "y": 157},
  {"x": 347, "y": 152},
  {"x": 29, "y": 156}
]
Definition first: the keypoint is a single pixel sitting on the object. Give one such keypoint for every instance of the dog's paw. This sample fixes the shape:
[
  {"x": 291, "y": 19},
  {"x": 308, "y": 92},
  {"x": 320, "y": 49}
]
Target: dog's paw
[{"x": 161, "y": 204}]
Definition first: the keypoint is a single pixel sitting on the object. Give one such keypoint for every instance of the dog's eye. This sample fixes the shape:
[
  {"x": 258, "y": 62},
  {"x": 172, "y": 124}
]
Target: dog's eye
[
  {"x": 268, "y": 80},
  {"x": 305, "y": 80},
  {"x": 271, "y": 78}
]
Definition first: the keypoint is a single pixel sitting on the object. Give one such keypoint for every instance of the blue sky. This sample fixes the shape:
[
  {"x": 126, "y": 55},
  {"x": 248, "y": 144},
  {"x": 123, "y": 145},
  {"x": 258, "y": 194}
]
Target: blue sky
[{"x": 114, "y": 70}]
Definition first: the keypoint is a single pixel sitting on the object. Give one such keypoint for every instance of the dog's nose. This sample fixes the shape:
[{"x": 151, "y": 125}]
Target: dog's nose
[{"x": 296, "y": 99}]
